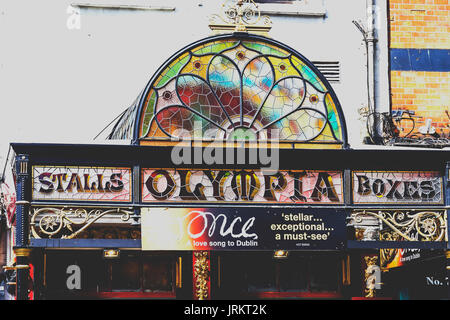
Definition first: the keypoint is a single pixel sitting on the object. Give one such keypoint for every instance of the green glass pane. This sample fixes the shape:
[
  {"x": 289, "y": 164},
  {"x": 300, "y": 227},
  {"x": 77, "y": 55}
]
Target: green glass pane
[
  {"x": 214, "y": 47},
  {"x": 148, "y": 113},
  {"x": 308, "y": 74},
  {"x": 242, "y": 134},
  {"x": 333, "y": 117},
  {"x": 265, "y": 49},
  {"x": 171, "y": 71}
]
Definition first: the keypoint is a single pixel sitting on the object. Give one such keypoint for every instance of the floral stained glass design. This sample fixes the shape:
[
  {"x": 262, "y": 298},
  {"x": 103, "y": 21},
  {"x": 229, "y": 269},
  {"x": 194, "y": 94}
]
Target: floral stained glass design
[{"x": 240, "y": 88}]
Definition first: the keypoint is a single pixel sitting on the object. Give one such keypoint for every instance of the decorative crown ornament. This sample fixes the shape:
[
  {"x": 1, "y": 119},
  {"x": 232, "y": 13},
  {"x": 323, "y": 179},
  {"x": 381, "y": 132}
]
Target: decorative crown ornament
[{"x": 240, "y": 16}]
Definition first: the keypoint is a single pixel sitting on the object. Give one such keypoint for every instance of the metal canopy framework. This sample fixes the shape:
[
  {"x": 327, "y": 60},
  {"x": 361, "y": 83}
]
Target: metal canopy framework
[
  {"x": 74, "y": 188},
  {"x": 236, "y": 87}
]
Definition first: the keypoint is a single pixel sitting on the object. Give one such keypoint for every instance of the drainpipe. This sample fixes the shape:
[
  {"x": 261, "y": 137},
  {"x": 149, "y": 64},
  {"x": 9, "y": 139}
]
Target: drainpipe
[
  {"x": 21, "y": 242},
  {"x": 371, "y": 42}
]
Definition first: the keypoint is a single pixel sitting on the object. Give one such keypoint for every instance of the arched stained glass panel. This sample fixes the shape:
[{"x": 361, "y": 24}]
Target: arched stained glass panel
[{"x": 224, "y": 85}]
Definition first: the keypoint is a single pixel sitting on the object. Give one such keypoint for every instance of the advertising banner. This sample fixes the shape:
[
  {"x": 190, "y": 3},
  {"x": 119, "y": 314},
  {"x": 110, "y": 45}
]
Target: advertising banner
[
  {"x": 242, "y": 228},
  {"x": 81, "y": 183},
  {"x": 394, "y": 258},
  {"x": 293, "y": 186}
]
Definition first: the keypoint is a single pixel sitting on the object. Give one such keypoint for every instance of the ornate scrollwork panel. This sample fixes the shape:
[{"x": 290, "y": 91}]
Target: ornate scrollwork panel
[
  {"x": 400, "y": 225},
  {"x": 72, "y": 222}
]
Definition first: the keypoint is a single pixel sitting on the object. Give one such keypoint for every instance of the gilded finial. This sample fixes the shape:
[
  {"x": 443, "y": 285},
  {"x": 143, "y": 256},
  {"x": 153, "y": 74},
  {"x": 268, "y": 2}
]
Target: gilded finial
[{"x": 240, "y": 16}]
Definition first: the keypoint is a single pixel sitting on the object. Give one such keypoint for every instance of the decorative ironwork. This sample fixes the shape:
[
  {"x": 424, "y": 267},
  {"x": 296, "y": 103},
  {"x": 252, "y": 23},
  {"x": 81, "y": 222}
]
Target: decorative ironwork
[
  {"x": 398, "y": 128},
  {"x": 68, "y": 223},
  {"x": 388, "y": 254},
  {"x": 240, "y": 16},
  {"x": 201, "y": 275},
  {"x": 372, "y": 276},
  {"x": 402, "y": 225}
]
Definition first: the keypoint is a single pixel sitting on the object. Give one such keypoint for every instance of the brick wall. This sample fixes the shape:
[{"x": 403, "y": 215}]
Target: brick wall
[
  {"x": 420, "y": 43},
  {"x": 420, "y": 24},
  {"x": 425, "y": 93}
]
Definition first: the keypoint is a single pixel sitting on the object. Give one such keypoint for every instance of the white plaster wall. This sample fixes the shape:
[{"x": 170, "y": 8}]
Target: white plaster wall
[{"x": 64, "y": 85}]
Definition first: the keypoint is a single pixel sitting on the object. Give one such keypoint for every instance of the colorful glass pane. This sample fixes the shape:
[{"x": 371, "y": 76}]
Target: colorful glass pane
[{"x": 231, "y": 87}]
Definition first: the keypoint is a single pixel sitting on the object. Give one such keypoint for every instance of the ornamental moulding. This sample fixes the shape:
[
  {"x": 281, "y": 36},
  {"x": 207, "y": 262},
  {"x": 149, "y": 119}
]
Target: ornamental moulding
[
  {"x": 240, "y": 16},
  {"x": 69, "y": 223},
  {"x": 201, "y": 275},
  {"x": 399, "y": 225}
]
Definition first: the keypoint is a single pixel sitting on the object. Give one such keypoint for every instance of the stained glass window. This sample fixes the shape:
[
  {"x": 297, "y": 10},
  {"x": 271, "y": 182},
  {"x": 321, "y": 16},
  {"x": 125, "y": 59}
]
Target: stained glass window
[{"x": 231, "y": 87}]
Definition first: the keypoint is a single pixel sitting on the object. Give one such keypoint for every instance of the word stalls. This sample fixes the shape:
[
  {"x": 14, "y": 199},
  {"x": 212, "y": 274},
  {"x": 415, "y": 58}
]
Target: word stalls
[{"x": 81, "y": 183}]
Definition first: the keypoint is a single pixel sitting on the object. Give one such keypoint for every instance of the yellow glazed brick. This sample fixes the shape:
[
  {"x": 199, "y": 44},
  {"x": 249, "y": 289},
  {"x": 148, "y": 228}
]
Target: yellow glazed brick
[
  {"x": 425, "y": 93},
  {"x": 420, "y": 24}
]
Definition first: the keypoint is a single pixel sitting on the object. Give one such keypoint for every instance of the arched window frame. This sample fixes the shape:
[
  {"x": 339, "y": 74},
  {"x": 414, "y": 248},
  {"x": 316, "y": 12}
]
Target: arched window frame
[{"x": 244, "y": 37}]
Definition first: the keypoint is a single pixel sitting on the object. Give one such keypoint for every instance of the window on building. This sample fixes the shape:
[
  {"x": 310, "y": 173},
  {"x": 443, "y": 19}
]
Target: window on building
[
  {"x": 258, "y": 274},
  {"x": 133, "y": 273},
  {"x": 63, "y": 267},
  {"x": 139, "y": 272},
  {"x": 124, "y": 274},
  {"x": 157, "y": 274}
]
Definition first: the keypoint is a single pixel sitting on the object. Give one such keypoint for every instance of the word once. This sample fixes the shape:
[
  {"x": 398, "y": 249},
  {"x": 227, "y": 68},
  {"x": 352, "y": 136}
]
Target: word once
[{"x": 199, "y": 220}]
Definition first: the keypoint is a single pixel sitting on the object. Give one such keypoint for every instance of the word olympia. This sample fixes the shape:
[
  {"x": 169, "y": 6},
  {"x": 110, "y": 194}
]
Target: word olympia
[{"x": 241, "y": 185}]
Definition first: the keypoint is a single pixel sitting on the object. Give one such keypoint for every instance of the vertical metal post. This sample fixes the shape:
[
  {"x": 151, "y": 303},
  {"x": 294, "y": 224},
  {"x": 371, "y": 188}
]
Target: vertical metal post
[
  {"x": 371, "y": 43},
  {"x": 371, "y": 66},
  {"x": 372, "y": 275},
  {"x": 447, "y": 259},
  {"x": 201, "y": 275},
  {"x": 136, "y": 196},
  {"x": 447, "y": 185},
  {"x": 348, "y": 192},
  {"x": 447, "y": 203},
  {"x": 21, "y": 242}
]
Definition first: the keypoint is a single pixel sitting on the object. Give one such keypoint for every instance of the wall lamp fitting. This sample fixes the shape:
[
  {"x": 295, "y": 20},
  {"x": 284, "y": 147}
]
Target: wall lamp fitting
[
  {"x": 111, "y": 253},
  {"x": 280, "y": 254}
]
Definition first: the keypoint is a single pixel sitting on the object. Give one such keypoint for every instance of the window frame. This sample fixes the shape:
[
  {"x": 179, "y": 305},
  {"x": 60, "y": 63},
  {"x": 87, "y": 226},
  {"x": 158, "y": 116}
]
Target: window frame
[
  {"x": 104, "y": 286},
  {"x": 294, "y": 256}
]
